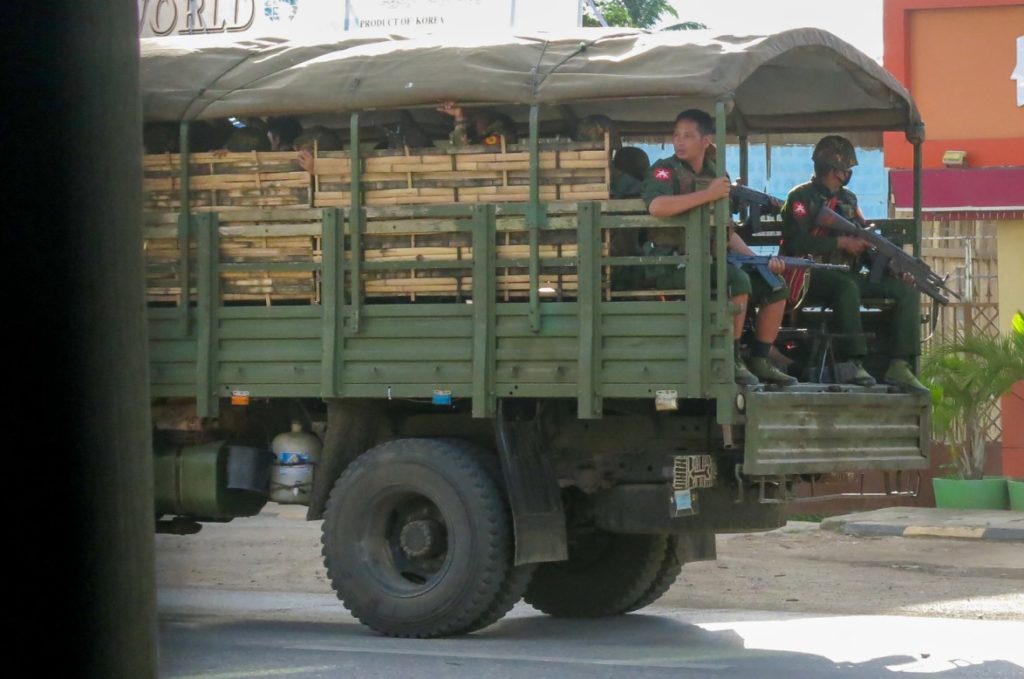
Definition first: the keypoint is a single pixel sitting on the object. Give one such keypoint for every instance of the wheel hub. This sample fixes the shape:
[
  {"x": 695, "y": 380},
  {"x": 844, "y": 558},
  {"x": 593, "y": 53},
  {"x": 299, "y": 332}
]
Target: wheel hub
[{"x": 421, "y": 538}]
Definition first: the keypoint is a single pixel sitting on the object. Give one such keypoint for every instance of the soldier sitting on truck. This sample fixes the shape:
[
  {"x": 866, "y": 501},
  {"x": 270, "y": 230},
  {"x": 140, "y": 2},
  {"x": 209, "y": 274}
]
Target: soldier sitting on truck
[
  {"x": 670, "y": 189},
  {"x": 834, "y": 158},
  {"x": 479, "y": 126},
  {"x": 629, "y": 167}
]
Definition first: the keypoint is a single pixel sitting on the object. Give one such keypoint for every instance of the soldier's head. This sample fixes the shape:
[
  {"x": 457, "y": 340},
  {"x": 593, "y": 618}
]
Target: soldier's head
[
  {"x": 834, "y": 157},
  {"x": 247, "y": 139},
  {"x": 693, "y": 134},
  {"x": 633, "y": 161},
  {"x": 594, "y": 128},
  {"x": 282, "y": 131}
]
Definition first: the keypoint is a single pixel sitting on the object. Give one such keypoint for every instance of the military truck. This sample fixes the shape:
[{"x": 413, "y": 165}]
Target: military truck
[{"x": 479, "y": 415}]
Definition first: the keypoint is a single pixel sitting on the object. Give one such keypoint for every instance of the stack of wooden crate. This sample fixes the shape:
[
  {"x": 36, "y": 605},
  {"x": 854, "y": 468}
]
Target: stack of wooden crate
[
  {"x": 399, "y": 236},
  {"x": 245, "y": 237},
  {"x": 477, "y": 174},
  {"x": 221, "y": 181},
  {"x": 247, "y": 189}
]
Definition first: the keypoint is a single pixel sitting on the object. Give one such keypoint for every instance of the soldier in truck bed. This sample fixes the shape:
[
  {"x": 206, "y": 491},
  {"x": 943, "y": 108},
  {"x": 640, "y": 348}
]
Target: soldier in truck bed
[
  {"x": 479, "y": 126},
  {"x": 282, "y": 131},
  {"x": 834, "y": 158},
  {"x": 684, "y": 181},
  {"x": 629, "y": 165}
]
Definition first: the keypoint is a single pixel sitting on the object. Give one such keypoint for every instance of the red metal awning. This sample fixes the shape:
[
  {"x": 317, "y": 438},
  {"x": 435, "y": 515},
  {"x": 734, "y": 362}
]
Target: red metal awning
[{"x": 989, "y": 193}]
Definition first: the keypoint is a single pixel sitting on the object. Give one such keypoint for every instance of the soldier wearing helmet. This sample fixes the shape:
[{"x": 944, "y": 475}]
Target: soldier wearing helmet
[
  {"x": 834, "y": 159},
  {"x": 834, "y": 152}
]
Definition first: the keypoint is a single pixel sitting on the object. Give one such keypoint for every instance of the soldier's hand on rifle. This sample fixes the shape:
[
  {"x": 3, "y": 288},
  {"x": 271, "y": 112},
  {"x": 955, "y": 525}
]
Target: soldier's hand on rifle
[
  {"x": 907, "y": 278},
  {"x": 776, "y": 265},
  {"x": 718, "y": 188},
  {"x": 854, "y": 246}
]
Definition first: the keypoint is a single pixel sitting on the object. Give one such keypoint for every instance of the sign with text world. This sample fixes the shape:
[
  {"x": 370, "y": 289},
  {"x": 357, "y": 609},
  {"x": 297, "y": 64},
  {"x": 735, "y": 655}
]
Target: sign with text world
[{"x": 287, "y": 18}]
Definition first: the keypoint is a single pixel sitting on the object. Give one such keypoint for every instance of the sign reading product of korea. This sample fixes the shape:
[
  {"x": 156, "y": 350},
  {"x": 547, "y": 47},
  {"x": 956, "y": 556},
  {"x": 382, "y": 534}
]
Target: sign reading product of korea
[
  {"x": 285, "y": 18},
  {"x": 404, "y": 15}
]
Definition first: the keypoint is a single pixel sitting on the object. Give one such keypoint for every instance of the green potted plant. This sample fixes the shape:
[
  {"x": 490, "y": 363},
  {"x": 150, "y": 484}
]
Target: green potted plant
[{"x": 967, "y": 376}]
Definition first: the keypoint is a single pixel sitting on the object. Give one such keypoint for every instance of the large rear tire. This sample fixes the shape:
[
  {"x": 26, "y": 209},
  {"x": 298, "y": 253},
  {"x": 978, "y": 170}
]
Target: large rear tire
[
  {"x": 518, "y": 576},
  {"x": 606, "y": 574},
  {"x": 667, "y": 573},
  {"x": 417, "y": 540}
]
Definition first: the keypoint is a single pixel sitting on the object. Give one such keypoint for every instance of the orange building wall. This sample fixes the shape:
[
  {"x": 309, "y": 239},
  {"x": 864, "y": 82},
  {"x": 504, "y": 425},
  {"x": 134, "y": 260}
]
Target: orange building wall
[
  {"x": 960, "y": 71},
  {"x": 956, "y": 57}
]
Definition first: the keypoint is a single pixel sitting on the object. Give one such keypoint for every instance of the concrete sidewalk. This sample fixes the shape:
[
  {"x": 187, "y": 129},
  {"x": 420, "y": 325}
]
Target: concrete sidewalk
[{"x": 979, "y": 524}]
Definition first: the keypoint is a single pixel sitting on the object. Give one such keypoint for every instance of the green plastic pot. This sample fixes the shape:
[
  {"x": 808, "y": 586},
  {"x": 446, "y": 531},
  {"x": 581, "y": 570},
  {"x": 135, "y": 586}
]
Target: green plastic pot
[
  {"x": 971, "y": 493},
  {"x": 1015, "y": 487}
]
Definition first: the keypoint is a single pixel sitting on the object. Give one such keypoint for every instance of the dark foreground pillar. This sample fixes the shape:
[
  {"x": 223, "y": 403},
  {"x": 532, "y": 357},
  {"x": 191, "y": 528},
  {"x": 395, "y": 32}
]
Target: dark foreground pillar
[{"x": 76, "y": 337}]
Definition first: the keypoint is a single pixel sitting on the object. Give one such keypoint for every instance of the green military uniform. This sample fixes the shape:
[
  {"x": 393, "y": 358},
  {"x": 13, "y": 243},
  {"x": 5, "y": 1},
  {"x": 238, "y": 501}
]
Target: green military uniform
[
  {"x": 625, "y": 185},
  {"x": 464, "y": 133},
  {"x": 671, "y": 177},
  {"x": 625, "y": 242},
  {"x": 840, "y": 290}
]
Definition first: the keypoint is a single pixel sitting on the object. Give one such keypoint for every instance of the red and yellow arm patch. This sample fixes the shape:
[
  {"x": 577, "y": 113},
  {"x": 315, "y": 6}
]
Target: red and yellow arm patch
[
  {"x": 799, "y": 209},
  {"x": 663, "y": 174}
]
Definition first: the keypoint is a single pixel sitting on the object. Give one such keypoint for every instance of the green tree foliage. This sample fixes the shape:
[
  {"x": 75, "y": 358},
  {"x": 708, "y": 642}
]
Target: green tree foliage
[
  {"x": 966, "y": 377},
  {"x": 686, "y": 26},
  {"x": 631, "y": 13}
]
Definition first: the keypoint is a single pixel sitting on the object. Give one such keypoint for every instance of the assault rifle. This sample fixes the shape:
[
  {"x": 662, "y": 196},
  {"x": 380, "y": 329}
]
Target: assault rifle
[
  {"x": 887, "y": 255},
  {"x": 759, "y": 204},
  {"x": 760, "y": 264}
]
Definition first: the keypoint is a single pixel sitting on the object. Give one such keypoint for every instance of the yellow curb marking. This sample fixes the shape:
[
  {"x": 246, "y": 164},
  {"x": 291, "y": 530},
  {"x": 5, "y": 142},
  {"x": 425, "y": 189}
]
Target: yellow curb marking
[{"x": 945, "y": 531}]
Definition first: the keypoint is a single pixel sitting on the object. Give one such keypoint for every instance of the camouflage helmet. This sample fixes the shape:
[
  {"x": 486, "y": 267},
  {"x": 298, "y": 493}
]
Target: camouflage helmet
[
  {"x": 835, "y": 152},
  {"x": 594, "y": 127}
]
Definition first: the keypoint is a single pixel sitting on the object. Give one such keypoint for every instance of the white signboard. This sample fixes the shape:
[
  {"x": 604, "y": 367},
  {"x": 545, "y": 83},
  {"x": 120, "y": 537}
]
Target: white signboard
[
  {"x": 403, "y": 15},
  {"x": 283, "y": 18}
]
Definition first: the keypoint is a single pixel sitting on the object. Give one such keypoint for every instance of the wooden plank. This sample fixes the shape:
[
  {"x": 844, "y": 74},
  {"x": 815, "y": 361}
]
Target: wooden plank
[{"x": 269, "y": 230}]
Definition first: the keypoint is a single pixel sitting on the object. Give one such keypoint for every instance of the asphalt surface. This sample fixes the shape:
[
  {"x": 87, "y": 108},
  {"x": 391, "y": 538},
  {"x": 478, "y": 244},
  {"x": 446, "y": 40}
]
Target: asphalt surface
[{"x": 246, "y": 634}]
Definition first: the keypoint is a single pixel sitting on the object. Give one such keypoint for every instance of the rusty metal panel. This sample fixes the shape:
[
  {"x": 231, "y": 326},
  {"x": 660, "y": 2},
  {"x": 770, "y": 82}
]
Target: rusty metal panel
[{"x": 820, "y": 432}]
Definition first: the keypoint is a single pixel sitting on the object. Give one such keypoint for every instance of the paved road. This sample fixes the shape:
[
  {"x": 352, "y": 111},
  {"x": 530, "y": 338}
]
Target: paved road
[{"x": 221, "y": 634}]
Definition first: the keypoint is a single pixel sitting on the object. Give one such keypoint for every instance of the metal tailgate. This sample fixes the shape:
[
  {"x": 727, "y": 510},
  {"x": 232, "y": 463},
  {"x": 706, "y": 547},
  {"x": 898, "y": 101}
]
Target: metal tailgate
[{"x": 806, "y": 432}]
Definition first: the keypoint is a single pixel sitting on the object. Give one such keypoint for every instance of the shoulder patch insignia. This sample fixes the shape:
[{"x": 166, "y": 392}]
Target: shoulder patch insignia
[
  {"x": 663, "y": 174},
  {"x": 799, "y": 209}
]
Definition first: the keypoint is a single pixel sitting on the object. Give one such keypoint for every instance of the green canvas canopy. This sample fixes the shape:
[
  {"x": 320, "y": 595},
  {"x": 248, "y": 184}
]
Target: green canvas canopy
[{"x": 803, "y": 79}]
